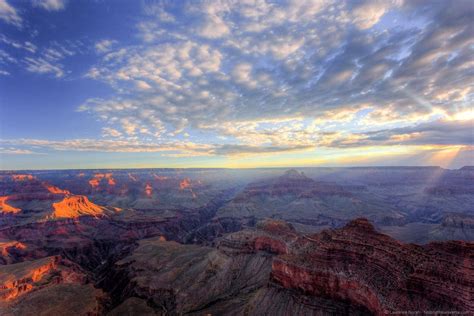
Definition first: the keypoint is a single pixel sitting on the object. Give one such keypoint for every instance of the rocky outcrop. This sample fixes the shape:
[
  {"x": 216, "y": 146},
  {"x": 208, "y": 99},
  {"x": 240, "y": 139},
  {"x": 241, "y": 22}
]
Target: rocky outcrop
[
  {"x": 360, "y": 265},
  {"x": 171, "y": 251},
  {"x": 294, "y": 197},
  {"x": 59, "y": 299},
  {"x": 26, "y": 192},
  {"x": 352, "y": 270},
  {"x": 12, "y": 251},
  {"x": 20, "y": 278},
  {"x": 74, "y": 206},
  {"x": 461, "y": 221},
  {"x": 5, "y": 207},
  {"x": 239, "y": 277},
  {"x": 47, "y": 285},
  {"x": 292, "y": 182},
  {"x": 55, "y": 190},
  {"x": 179, "y": 279},
  {"x": 271, "y": 236}
]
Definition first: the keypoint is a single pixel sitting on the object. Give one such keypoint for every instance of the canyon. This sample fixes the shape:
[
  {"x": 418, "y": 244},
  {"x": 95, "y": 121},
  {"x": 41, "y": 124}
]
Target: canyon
[{"x": 347, "y": 241}]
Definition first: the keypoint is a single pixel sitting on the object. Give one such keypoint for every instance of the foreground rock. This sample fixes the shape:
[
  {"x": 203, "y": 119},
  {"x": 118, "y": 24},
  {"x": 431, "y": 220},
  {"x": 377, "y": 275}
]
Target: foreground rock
[
  {"x": 370, "y": 269},
  {"x": 275, "y": 270},
  {"x": 48, "y": 286}
]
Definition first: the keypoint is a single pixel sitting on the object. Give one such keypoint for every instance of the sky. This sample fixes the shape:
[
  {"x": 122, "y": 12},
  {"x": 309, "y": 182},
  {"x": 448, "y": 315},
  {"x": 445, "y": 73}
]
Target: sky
[{"x": 239, "y": 84}]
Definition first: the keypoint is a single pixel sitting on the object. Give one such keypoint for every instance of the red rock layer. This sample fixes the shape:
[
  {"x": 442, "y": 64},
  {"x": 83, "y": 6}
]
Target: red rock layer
[
  {"x": 360, "y": 265},
  {"x": 273, "y": 236}
]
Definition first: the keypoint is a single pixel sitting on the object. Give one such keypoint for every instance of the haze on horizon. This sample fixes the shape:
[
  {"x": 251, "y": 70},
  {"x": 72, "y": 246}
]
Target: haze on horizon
[{"x": 89, "y": 84}]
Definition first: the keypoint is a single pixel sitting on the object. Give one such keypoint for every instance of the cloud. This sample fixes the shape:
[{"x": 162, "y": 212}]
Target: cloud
[
  {"x": 43, "y": 66},
  {"x": 156, "y": 10},
  {"x": 265, "y": 137},
  {"x": 232, "y": 150},
  {"x": 50, "y": 5},
  {"x": 436, "y": 133},
  {"x": 257, "y": 65},
  {"x": 368, "y": 13},
  {"x": 175, "y": 149},
  {"x": 49, "y": 60},
  {"x": 214, "y": 27},
  {"x": 110, "y": 132},
  {"x": 9, "y": 15},
  {"x": 236, "y": 76},
  {"x": 26, "y": 45},
  {"x": 16, "y": 151},
  {"x": 104, "y": 46},
  {"x": 243, "y": 75}
]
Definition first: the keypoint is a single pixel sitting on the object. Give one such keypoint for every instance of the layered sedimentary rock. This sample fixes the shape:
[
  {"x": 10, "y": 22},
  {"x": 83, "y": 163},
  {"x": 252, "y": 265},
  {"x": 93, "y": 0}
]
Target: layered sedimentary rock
[
  {"x": 5, "y": 207},
  {"x": 369, "y": 269},
  {"x": 60, "y": 299},
  {"x": 20, "y": 278},
  {"x": 297, "y": 198},
  {"x": 77, "y": 205},
  {"x": 268, "y": 267},
  {"x": 275, "y": 270},
  {"x": 12, "y": 251},
  {"x": 25, "y": 192},
  {"x": 48, "y": 285}
]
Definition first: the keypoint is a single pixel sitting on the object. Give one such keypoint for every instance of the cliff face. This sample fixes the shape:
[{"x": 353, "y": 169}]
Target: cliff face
[
  {"x": 46, "y": 285},
  {"x": 369, "y": 269},
  {"x": 12, "y": 251},
  {"x": 264, "y": 267},
  {"x": 5, "y": 207},
  {"x": 296, "y": 198},
  {"x": 274, "y": 269},
  {"x": 291, "y": 182},
  {"x": 75, "y": 206}
]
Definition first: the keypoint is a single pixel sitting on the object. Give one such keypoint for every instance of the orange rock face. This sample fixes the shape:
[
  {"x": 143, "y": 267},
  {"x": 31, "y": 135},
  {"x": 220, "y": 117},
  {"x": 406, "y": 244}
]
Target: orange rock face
[
  {"x": 17, "y": 279},
  {"x": 5, "y": 208},
  {"x": 76, "y": 205},
  {"x": 55, "y": 190}
]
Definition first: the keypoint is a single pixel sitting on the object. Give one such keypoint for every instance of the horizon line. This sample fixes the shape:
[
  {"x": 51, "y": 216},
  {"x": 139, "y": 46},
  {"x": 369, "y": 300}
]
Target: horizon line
[{"x": 237, "y": 168}]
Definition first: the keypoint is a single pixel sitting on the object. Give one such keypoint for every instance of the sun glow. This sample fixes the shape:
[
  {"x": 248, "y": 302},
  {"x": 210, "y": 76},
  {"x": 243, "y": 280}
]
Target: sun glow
[{"x": 463, "y": 116}]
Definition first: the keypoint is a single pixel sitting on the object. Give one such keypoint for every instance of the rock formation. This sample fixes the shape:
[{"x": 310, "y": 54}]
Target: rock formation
[
  {"x": 74, "y": 206},
  {"x": 47, "y": 285},
  {"x": 5, "y": 207},
  {"x": 231, "y": 242},
  {"x": 350, "y": 270}
]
